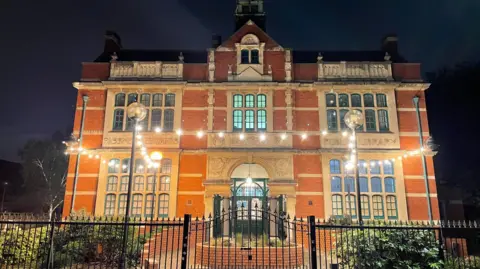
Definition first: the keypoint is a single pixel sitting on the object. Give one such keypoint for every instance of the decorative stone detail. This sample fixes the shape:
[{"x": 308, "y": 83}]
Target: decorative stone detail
[
  {"x": 147, "y": 69},
  {"x": 354, "y": 70},
  {"x": 288, "y": 65},
  {"x": 232, "y": 140},
  {"x": 124, "y": 139},
  {"x": 376, "y": 141},
  {"x": 211, "y": 65}
]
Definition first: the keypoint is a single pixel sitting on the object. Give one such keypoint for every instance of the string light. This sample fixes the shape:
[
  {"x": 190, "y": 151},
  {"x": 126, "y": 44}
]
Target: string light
[
  {"x": 179, "y": 132},
  {"x": 344, "y": 133},
  {"x": 200, "y": 134},
  {"x": 158, "y": 130},
  {"x": 262, "y": 137},
  {"x": 324, "y": 133},
  {"x": 283, "y": 136},
  {"x": 304, "y": 136},
  {"x": 221, "y": 134},
  {"x": 241, "y": 136}
]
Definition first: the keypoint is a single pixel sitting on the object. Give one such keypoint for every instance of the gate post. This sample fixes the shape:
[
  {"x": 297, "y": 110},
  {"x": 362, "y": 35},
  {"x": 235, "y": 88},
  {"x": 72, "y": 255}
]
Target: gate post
[
  {"x": 313, "y": 242},
  {"x": 186, "y": 226}
]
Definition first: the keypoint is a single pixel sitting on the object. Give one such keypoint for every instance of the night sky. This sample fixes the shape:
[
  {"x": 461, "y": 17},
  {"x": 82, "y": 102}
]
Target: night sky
[{"x": 43, "y": 42}]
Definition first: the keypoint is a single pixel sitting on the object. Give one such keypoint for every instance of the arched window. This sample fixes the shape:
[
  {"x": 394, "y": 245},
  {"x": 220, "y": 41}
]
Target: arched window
[
  {"x": 365, "y": 201},
  {"x": 249, "y": 121},
  {"x": 343, "y": 100},
  {"x": 109, "y": 205},
  {"x": 388, "y": 167},
  {"x": 356, "y": 100},
  {"x": 118, "y": 116},
  {"x": 255, "y": 59},
  {"x": 261, "y": 120},
  {"x": 237, "y": 120},
  {"x": 126, "y": 166},
  {"x": 122, "y": 204},
  {"x": 163, "y": 201},
  {"x": 139, "y": 183},
  {"x": 368, "y": 100},
  {"x": 145, "y": 99},
  {"x": 130, "y": 124},
  {"x": 238, "y": 100},
  {"x": 360, "y": 127},
  {"x": 383, "y": 121},
  {"x": 370, "y": 121},
  {"x": 113, "y": 166},
  {"x": 376, "y": 184},
  {"x": 377, "y": 205},
  {"x": 362, "y": 167},
  {"x": 351, "y": 205},
  {"x": 170, "y": 100},
  {"x": 363, "y": 184},
  {"x": 336, "y": 184},
  {"x": 332, "y": 120},
  {"x": 249, "y": 100},
  {"x": 144, "y": 123},
  {"x": 335, "y": 167},
  {"x": 137, "y": 205},
  {"x": 374, "y": 167},
  {"x": 112, "y": 182},
  {"x": 391, "y": 203},
  {"x": 331, "y": 100},
  {"x": 337, "y": 205},
  {"x": 120, "y": 99},
  {"x": 168, "y": 120},
  {"x": 349, "y": 184},
  {"x": 156, "y": 119},
  {"x": 124, "y": 183},
  {"x": 261, "y": 100},
  {"x": 245, "y": 57},
  {"x": 381, "y": 100},
  {"x": 390, "y": 185},
  {"x": 343, "y": 125},
  {"x": 157, "y": 100},
  {"x": 150, "y": 181},
  {"x": 132, "y": 98},
  {"x": 139, "y": 166},
  {"x": 166, "y": 166},
  {"x": 149, "y": 206},
  {"x": 165, "y": 183}
]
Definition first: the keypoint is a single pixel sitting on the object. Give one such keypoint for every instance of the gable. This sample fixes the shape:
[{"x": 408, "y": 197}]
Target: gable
[{"x": 250, "y": 28}]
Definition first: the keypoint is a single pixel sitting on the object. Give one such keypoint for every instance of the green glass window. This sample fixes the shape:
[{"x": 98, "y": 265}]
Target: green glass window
[
  {"x": 254, "y": 57},
  {"x": 381, "y": 100},
  {"x": 126, "y": 165},
  {"x": 149, "y": 206},
  {"x": 139, "y": 166},
  {"x": 163, "y": 200},
  {"x": 351, "y": 205},
  {"x": 359, "y": 128},
  {"x": 156, "y": 119},
  {"x": 249, "y": 100},
  {"x": 343, "y": 125},
  {"x": 389, "y": 184},
  {"x": 120, "y": 99},
  {"x": 168, "y": 118},
  {"x": 144, "y": 123},
  {"x": 249, "y": 121},
  {"x": 368, "y": 100},
  {"x": 170, "y": 100},
  {"x": 335, "y": 167},
  {"x": 145, "y": 99},
  {"x": 391, "y": 204},
  {"x": 388, "y": 167},
  {"x": 262, "y": 120},
  {"x": 374, "y": 167},
  {"x": 157, "y": 100},
  {"x": 261, "y": 100},
  {"x": 109, "y": 205},
  {"x": 377, "y": 205},
  {"x": 139, "y": 183},
  {"x": 118, "y": 116},
  {"x": 132, "y": 98},
  {"x": 356, "y": 100},
  {"x": 332, "y": 120},
  {"x": 122, "y": 204},
  {"x": 112, "y": 182},
  {"x": 331, "y": 100},
  {"x": 237, "y": 120},
  {"x": 365, "y": 201},
  {"x": 165, "y": 183},
  {"x": 336, "y": 184},
  {"x": 124, "y": 183},
  {"x": 238, "y": 100},
  {"x": 370, "y": 121},
  {"x": 376, "y": 184},
  {"x": 337, "y": 205},
  {"x": 343, "y": 100},
  {"x": 245, "y": 57},
  {"x": 383, "y": 120},
  {"x": 166, "y": 167},
  {"x": 137, "y": 205},
  {"x": 113, "y": 166}
]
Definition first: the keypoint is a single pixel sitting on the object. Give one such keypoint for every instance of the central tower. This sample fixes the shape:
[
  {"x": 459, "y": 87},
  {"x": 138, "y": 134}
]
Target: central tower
[{"x": 249, "y": 10}]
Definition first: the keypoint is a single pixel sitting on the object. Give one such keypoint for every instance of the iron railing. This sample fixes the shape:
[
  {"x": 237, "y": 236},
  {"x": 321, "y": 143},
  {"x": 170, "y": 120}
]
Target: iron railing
[{"x": 237, "y": 239}]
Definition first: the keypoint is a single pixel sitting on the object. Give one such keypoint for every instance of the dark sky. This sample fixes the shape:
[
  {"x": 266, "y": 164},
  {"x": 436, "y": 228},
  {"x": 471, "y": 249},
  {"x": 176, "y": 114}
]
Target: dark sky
[{"x": 42, "y": 43}]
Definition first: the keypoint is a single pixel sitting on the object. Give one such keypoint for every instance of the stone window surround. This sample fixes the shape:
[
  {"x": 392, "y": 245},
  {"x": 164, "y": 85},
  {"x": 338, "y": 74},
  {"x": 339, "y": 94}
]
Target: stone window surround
[
  {"x": 250, "y": 42},
  {"x": 268, "y": 108}
]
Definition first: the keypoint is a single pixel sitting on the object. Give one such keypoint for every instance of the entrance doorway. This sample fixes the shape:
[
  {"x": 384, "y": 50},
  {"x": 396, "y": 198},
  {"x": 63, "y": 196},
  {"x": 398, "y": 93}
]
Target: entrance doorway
[{"x": 249, "y": 197}]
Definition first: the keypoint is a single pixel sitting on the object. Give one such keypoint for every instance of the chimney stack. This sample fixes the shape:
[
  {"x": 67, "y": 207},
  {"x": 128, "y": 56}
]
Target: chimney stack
[
  {"x": 216, "y": 40},
  {"x": 390, "y": 44},
  {"x": 113, "y": 43}
]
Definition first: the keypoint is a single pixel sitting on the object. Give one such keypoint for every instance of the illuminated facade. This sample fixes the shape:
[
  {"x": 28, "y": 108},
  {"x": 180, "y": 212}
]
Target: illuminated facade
[{"x": 250, "y": 108}]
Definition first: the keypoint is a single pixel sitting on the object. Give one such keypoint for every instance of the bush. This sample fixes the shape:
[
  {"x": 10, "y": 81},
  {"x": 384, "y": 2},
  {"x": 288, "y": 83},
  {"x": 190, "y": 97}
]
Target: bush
[
  {"x": 388, "y": 248},
  {"x": 21, "y": 246},
  {"x": 472, "y": 262}
]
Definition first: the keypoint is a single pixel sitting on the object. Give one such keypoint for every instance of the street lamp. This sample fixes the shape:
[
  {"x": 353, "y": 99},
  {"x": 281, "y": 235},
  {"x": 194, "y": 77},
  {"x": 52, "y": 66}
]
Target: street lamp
[
  {"x": 135, "y": 112},
  {"x": 5, "y": 184},
  {"x": 156, "y": 158},
  {"x": 354, "y": 119}
]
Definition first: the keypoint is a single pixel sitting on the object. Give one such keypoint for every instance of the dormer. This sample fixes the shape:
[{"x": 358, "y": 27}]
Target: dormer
[{"x": 250, "y": 61}]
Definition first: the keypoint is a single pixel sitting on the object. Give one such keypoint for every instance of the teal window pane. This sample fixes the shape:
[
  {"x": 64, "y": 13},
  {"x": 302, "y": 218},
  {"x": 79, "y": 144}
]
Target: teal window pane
[
  {"x": 237, "y": 120},
  {"x": 383, "y": 120},
  {"x": 145, "y": 99},
  {"x": 249, "y": 121},
  {"x": 113, "y": 166},
  {"x": 332, "y": 120},
  {"x": 390, "y": 185},
  {"x": 381, "y": 100},
  {"x": 168, "y": 119},
  {"x": 343, "y": 100},
  {"x": 388, "y": 167},
  {"x": 376, "y": 183},
  {"x": 331, "y": 100},
  {"x": 362, "y": 167},
  {"x": 261, "y": 101},
  {"x": 132, "y": 98},
  {"x": 374, "y": 167},
  {"x": 368, "y": 100},
  {"x": 238, "y": 100},
  {"x": 343, "y": 125},
  {"x": 335, "y": 167},
  {"x": 157, "y": 100},
  {"x": 356, "y": 100},
  {"x": 156, "y": 119},
  {"x": 120, "y": 99},
  {"x": 118, "y": 116},
  {"x": 249, "y": 100},
  {"x": 262, "y": 120},
  {"x": 370, "y": 121},
  {"x": 170, "y": 100},
  {"x": 336, "y": 184}
]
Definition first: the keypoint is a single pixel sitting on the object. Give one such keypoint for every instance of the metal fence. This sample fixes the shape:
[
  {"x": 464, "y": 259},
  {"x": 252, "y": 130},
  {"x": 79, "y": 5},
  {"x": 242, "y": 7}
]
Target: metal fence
[{"x": 237, "y": 239}]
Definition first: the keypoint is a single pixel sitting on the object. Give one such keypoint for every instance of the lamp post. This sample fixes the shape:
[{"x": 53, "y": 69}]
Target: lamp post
[
  {"x": 354, "y": 119},
  {"x": 5, "y": 184},
  {"x": 156, "y": 158},
  {"x": 135, "y": 112}
]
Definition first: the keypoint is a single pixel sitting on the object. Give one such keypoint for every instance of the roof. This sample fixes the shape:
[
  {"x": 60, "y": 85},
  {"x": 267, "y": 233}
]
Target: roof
[
  {"x": 348, "y": 56},
  {"x": 156, "y": 55}
]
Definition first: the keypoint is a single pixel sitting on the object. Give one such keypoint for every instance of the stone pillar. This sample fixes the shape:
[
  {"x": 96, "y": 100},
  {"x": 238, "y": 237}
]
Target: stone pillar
[
  {"x": 291, "y": 204},
  {"x": 225, "y": 216},
  {"x": 273, "y": 218}
]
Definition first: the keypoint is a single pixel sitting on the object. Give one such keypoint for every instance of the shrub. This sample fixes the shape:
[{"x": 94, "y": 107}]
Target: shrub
[
  {"x": 388, "y": 248},
  {"x": 21, "y": 246}
]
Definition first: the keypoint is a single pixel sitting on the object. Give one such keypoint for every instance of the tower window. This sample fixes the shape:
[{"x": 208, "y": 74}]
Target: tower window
[
  {"x": 254, "y": 57},
  {"x": 245, "y": 57}
]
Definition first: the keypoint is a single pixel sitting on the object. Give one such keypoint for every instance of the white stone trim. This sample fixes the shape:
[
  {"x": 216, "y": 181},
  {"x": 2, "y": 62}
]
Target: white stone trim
[
  {"x": 434, "y": 195},
  {"x": 78, "y": 193},
  {"x": 91, "y": 108},
  {"x": 82, "y": 175},
  {"x": 309, "y": 175},
  {"x": 410, "y": 109},
  {"x": 417, "y": 177},
  {"x": 190, "y": 175},
  {"x": 191, "y": 193},
  {"x": 317, "y": 193}
]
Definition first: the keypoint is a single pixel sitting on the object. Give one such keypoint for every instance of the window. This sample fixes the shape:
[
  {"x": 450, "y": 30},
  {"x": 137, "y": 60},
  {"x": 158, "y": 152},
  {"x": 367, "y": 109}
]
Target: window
[
  {"x": 343, "y": 100},
  {"x": 124, "y": 183},
  {"x": 362, "y": 167},
  {"x": 381, "y": 100},
  {"x": 156, "y": 119},
  {"x": 169, "y": 100},
  {"x": 238, "y": 100},
  {"x": 359, "y": 128},
  {"x": 349, "y": 184},
  {"x": 356, "y": 100},
  {"x": 150, "y": 181},
  {"x": 120, "y": 99},
  {"x": 249, "y": 121},
  {"x": 351, "y": 206},
  {"x": 331, "y": 100},
  {"x": 368, "y": 100},
  {"x": 364, "y": 200},
  {"x": 254, "y": 57},
  {"x": 137, "y": 206},
  {"x": 261, "y": 100},
  {"x": 370, "y": 121},
  {"x": 383, "y": 120},
  {"x": 337, "y": 205},
  {"x": 139, "y": 166},
  {"x": 363, "y": 184},
  {"x": 390, "y": 185},
  {"x": 130, "y": 123},
  {"x": 157, "y": 100},
  {"x": 335, "y": 167},
  {"x": 168, "y": 120},
  {"x": 139, "y": 183},
  {"x": 336, "y": 184},
  {"x": 149, "y": 206},
  {"x": 145, "y": 99},
  {"x": 237, "y": 121},
  {"x": 118, "y": 115},
  {"x": 144, "y": 123},
  {"x": 132, "y": 98},
  {"x": 332, "y": 120},
  {"x": 391, "y": 202},
  {"x": 262, "y": 120},
  {"x": 126, "y": 165},
  {"x": 122, "y": 204},
  {"x": 165, "y": 183},
  {"x": 388, "y": 167},
  {"x": 249, "y": 100},
  {"x": 166, "y": 166},
  {"x": 376, "y": 184},
  {"x": 343, "y": 125},
  {"x": 245, "y": 57},
  {"x": 377, "y": 204},
  {"x": 163, "y": 205},
  {"x": 374, "y": 167},
  {"x": 112, "y": 182},
  {"x": 109, "y": 205},
  {"x": 113, "y": 166}
]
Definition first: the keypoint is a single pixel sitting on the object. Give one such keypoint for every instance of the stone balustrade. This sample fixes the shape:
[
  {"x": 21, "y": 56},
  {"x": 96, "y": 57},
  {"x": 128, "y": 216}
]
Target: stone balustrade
[
  {"x": 355, "y": 70},
  {"x": 147, "y": 70}
]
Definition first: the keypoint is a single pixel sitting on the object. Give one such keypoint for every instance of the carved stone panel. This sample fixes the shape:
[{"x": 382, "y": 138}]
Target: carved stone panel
[
  {"x": 365, "y": 141},
  {"x": 151, "y": 140},
  {"x": 232, "y": 140}
]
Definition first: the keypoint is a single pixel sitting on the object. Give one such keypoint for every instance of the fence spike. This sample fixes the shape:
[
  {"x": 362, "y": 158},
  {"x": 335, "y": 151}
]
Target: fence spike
[
  {"x": 288, "y": 216},
  {"x": 475, "y": 224},
  {"x": 223, "y": 209},
  {"x": 203, "y": 217},
  {"x": 210, "y": 215}
]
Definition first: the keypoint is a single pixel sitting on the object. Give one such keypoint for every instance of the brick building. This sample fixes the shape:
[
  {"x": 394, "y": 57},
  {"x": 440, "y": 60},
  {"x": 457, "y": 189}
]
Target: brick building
[{"x": 248, "y": 111}]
